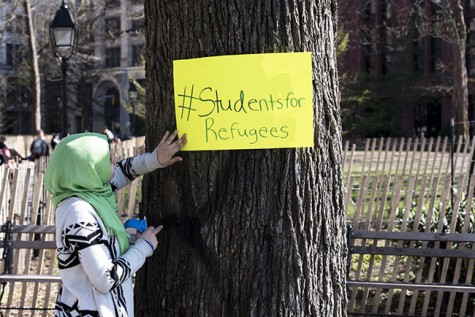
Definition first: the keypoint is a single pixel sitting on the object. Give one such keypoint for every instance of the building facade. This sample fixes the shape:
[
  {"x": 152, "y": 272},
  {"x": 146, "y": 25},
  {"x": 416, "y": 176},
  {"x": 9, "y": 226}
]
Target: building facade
[
  {"x": 119, "y": 41},
  {"x": 14, "y": 97},
  {"x": 107, "y": 59},
  {"x": 402, "y": 54}
]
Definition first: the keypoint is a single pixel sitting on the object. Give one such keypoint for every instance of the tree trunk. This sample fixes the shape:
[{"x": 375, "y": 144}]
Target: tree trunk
[
  {"x": 35, "y": 72},
  {"x": 254, "y": 232},
  {"x": 459, "y": 71}
]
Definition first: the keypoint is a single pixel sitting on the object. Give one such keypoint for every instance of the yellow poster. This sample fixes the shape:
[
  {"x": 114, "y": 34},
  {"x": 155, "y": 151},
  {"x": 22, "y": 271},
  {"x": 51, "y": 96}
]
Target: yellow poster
[{"x": 257, "y": 101}]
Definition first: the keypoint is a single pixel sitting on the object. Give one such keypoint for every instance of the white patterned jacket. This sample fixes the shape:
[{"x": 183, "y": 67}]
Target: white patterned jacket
[{"x": 97, "y": 279}]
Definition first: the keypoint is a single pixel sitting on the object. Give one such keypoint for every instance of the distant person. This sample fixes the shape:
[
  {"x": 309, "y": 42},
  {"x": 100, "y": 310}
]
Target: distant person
[
  {"x": 8, "y": 155},
  {"x": 109, "y": 134},
  {"x": 39, "y": 147},
  {"x": 55, "y": 140},
  {"x": 117, "y": 134},
  {"x": 3, "y": 157}
]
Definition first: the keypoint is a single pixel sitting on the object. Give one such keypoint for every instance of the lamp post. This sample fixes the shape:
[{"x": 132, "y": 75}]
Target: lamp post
[
  {"x": 63, "y": 40},
  {"x": 133, "y": 94}
]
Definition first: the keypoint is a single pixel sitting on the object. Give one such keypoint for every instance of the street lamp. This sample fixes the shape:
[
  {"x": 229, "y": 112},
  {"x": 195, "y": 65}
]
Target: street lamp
[
  {"x": 133, "y": 94},
  {"x": 63, "y": 39}
]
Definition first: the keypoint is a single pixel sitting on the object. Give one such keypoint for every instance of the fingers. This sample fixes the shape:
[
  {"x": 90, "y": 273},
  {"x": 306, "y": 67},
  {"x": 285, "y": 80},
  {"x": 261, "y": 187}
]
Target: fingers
[
  {"x": 182, "y": 141},
  {"x": 173, "y": 136},
  {"x": 175, "y": 159},
  {"x": 176, "y": 147},
  {"x": 168, "y": 139},
  {"x": 164, "y": 138},
  {"x": 157, "y": 230},
  {"x": 150, "y": 236}
]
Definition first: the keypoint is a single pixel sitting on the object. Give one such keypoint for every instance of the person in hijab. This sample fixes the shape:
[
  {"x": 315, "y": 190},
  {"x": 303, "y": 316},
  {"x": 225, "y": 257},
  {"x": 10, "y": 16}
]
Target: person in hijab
[{"x": 95, "y": 260}]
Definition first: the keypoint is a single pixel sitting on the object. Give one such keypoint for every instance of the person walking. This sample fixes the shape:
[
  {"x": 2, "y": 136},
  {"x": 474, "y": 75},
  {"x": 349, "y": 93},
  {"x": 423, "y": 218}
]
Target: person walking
[
  {"x": 39, "y": 147},
  {"x": 55, "y": 139}
]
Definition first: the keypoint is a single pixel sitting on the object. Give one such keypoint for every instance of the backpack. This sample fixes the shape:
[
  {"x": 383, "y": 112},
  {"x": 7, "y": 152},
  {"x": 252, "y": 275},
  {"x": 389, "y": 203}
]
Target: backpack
[{"x": 37, "y": 148}]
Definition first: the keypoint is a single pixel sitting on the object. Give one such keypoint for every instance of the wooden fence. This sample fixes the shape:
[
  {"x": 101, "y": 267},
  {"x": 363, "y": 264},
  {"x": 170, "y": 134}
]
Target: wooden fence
[
  {"x": 409, "y": 156},
  {"x": 396, "y": 185},
  {"x": 410, "y": 186},
  {"x": 24, "y": 201}
]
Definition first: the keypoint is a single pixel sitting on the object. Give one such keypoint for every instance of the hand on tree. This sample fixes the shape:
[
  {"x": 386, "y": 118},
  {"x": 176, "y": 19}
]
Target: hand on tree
[{"x": 167, "y": 148}]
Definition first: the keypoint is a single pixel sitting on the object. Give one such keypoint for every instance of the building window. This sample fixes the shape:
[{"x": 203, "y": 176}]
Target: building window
[
  {"x": 383, "y": 39},
  {"x": 428, "y": 118},
  {"x": 436, "y": 41},
  {"x": 87, "y": 33},
  {"x": 471, "y": 45},
  {"x": 416, "y": 47},
  {"x": 113, "y": 57},
  {"x": 112, "y": 28},
  {"x": 436, "y": 55},
  {"x": 137, "y": 27},
  {"x": 112, "y": 3},
  {"x": 367, "y": 39},
  {"x": 136, "y": 55},
  {"x": 13, "y": 55},
  {"x": 15, "y": 25},
  {"x": 9, "y": 28}
]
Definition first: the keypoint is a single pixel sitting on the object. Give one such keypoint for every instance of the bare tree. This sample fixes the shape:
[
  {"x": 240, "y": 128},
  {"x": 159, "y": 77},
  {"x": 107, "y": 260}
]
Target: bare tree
[
  {"x": 447, "y": 22},
  {"x": 255, "y": 232},
  {"x": 35, "y": 72},
  {"x": 459, "y": 66}
]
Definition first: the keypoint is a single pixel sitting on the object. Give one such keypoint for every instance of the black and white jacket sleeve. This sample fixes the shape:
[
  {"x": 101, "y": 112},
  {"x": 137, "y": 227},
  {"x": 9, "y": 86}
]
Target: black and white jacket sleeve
[{"x": 130, "y": 168}]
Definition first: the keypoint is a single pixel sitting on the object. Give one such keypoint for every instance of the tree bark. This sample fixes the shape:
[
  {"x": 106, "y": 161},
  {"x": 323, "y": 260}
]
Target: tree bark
[{"x": 254, "y": 232}]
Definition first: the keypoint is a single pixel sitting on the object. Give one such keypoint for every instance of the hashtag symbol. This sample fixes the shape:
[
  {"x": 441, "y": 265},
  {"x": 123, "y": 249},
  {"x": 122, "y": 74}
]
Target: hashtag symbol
[{"x": 187, "y": 103}]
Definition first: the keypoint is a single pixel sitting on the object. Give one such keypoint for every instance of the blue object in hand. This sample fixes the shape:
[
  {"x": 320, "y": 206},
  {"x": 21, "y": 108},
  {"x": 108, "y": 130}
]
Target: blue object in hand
[{"x": 139, "y": 224}]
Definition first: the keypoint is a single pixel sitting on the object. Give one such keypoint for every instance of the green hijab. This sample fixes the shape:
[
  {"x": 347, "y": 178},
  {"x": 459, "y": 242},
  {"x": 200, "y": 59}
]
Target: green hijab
[{"x": 80, "y": 166}]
